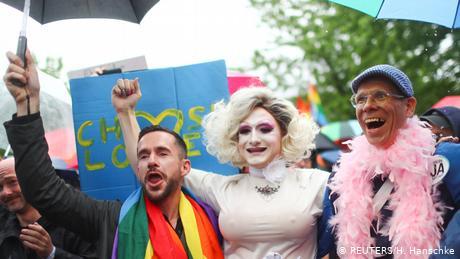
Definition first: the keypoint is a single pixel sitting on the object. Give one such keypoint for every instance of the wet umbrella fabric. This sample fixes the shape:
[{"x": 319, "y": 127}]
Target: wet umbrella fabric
[
  {"x": 444, "y": 12},
  {"x": 55, "y": 10},
  {"x": 61, "y": 147},
  {"x": 55, "y": 107},
  {"x": 331, "y": 156},
  {"x": 452, "y": 100},
  {"x": 324, "y": 143},
  {"x": 340, "y": 130}
]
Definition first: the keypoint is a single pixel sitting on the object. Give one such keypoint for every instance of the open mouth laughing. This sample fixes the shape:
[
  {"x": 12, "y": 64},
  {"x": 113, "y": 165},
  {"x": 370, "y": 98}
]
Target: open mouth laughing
[{"x": 374, "y": 123}]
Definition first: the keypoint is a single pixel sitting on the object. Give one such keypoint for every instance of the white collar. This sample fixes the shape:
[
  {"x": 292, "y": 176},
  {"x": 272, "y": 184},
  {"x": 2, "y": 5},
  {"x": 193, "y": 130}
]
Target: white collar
[{"x": 273, "y": 172}]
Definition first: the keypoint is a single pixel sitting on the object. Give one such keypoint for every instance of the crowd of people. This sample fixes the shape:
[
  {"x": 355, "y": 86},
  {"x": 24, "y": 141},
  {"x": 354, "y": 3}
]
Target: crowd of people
[{"x": 394, "y": 195}]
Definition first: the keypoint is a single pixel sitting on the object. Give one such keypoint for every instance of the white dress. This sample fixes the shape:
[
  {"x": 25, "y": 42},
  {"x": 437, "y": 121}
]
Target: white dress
[{"x": 255, "y": 225}]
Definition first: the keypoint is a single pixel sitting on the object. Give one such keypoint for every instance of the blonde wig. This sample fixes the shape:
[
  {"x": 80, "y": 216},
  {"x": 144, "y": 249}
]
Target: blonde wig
[{"x": 221, "y": 125}]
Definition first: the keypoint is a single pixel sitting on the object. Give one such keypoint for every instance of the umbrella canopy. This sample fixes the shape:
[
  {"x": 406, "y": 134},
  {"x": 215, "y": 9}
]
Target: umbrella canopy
[
  {"x": 323, "y": 143},
  {"x": 55, "y": 107},
  {"x": 453, "y": 100},
  {"x": 331, "y": 156},
  {"x": 55, "y": 10},
  {"x": 62, "y": 148},
  {"x": 238, "y": 80},
  {"x": 444, "y": 12},
  {"x": 341, "y": 130}
]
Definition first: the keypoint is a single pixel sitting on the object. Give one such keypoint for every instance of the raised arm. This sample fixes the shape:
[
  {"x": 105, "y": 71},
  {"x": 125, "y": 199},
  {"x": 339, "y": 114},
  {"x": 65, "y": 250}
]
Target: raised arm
[
  {"x": 40, "y": 185},
  {"x": 125, "y": 95}
]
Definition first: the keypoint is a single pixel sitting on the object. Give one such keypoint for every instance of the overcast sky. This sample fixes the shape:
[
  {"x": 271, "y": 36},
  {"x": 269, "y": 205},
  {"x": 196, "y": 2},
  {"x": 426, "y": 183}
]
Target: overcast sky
[{"x": 174, "y": 32}]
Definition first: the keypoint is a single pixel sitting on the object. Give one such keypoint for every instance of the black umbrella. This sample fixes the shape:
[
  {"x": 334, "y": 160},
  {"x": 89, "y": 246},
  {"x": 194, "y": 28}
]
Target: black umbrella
[{"x": 55, "y": 10}]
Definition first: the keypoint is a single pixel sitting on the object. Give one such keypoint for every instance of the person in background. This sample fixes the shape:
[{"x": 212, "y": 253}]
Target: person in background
[
  {"x": 385, "y": 190},
  {"x": 24, "y": 233},
  {"x": 450, "y": 194},
  {"x": 445, "y": 123}
]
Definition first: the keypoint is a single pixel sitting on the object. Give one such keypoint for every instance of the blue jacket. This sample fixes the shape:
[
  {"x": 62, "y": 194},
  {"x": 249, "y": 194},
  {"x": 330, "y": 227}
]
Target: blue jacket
[
  {"x": 451, "y": 151},
  {"x": 451, "y": 236}
]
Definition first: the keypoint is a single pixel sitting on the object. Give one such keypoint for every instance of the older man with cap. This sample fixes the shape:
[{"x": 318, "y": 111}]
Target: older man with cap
[{"x": 383, "y": 189}]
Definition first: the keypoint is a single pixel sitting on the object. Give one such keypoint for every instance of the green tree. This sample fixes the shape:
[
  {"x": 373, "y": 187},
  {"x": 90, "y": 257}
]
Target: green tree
[
  {"x": 53, "y": 66},
  {"x": 335, "y": 43}
]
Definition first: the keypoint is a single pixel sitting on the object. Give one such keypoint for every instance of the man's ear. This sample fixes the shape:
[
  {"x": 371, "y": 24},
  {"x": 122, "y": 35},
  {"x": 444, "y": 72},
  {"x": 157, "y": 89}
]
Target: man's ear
[
  {"x": 410, "y": 106},
  {"x": 186, "y": 166}
]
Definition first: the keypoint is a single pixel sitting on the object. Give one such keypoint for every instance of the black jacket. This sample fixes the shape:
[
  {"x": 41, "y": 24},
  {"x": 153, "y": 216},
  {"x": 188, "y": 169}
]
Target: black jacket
[
  {"x": 95, "y": 221},
  {"x": 68, "y": 245}
]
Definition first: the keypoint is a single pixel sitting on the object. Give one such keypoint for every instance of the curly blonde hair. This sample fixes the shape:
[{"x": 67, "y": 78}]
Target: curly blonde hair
[{"x": 221, "y": 125}]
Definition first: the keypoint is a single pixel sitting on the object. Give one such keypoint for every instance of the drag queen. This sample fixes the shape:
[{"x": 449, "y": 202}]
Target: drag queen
[{"x": 276, "y": 210}]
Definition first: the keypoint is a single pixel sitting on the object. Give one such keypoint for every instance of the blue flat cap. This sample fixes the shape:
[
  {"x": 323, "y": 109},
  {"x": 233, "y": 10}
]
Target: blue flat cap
[{"x": 396, "y": 76}]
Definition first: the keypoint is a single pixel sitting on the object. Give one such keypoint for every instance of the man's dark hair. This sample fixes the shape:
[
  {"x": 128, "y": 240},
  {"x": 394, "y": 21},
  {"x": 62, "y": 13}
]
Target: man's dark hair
[{"x": 179, "y": 141}]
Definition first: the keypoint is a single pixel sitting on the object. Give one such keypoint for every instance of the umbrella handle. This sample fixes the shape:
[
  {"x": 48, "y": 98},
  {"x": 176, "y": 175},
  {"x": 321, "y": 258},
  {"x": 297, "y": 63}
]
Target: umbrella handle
[
  {"x": 7, "y": 151},
  {"x": 21, "y": 53}
]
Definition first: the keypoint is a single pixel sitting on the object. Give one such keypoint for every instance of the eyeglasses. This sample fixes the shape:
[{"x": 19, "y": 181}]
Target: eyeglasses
[{"x": 380, "y": 97}]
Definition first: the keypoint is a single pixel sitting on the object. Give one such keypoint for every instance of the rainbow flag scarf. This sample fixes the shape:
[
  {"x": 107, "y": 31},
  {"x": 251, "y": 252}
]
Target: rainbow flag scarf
[{"x": 143, "y": 231}]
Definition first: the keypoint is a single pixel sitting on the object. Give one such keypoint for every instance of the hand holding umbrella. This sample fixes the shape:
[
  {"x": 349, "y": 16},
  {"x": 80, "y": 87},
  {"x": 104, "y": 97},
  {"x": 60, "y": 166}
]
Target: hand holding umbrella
[
  {"x": 22, "y": 41},
  {"x": 27, "y": 98}
]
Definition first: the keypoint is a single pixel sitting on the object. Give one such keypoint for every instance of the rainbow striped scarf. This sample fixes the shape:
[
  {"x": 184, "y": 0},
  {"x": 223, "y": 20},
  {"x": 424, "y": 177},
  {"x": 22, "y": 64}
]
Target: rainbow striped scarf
[{"x": 143, "y": 231}]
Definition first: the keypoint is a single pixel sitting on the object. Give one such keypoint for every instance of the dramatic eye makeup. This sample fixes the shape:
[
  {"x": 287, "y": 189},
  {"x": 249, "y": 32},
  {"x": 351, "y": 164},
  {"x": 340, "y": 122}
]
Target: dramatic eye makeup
[
  {"x": 244, "y": 129},
  {"x": 265, "y": 127}
]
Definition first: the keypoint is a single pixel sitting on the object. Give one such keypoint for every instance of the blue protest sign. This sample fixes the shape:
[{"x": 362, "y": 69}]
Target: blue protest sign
[{"x": 176, "y": 98}]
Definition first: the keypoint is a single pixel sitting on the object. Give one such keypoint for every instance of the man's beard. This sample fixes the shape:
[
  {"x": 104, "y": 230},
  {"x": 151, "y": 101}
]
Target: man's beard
[
  {"x": 20, "y": 206},
  {"x": 157, "y": 197}
]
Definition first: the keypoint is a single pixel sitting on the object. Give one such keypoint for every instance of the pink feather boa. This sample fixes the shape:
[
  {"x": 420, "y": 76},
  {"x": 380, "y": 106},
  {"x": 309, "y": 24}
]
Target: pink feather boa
[{"x": 416, "y": 218}]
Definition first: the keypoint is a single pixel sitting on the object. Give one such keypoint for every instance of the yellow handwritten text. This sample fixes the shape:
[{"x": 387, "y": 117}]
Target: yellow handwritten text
[{"x": 118, "y": 156}]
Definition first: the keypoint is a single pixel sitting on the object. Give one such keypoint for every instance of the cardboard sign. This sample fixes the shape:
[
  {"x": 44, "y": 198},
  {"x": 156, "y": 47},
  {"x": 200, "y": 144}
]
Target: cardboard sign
[{"x": 177, "y": 98}]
